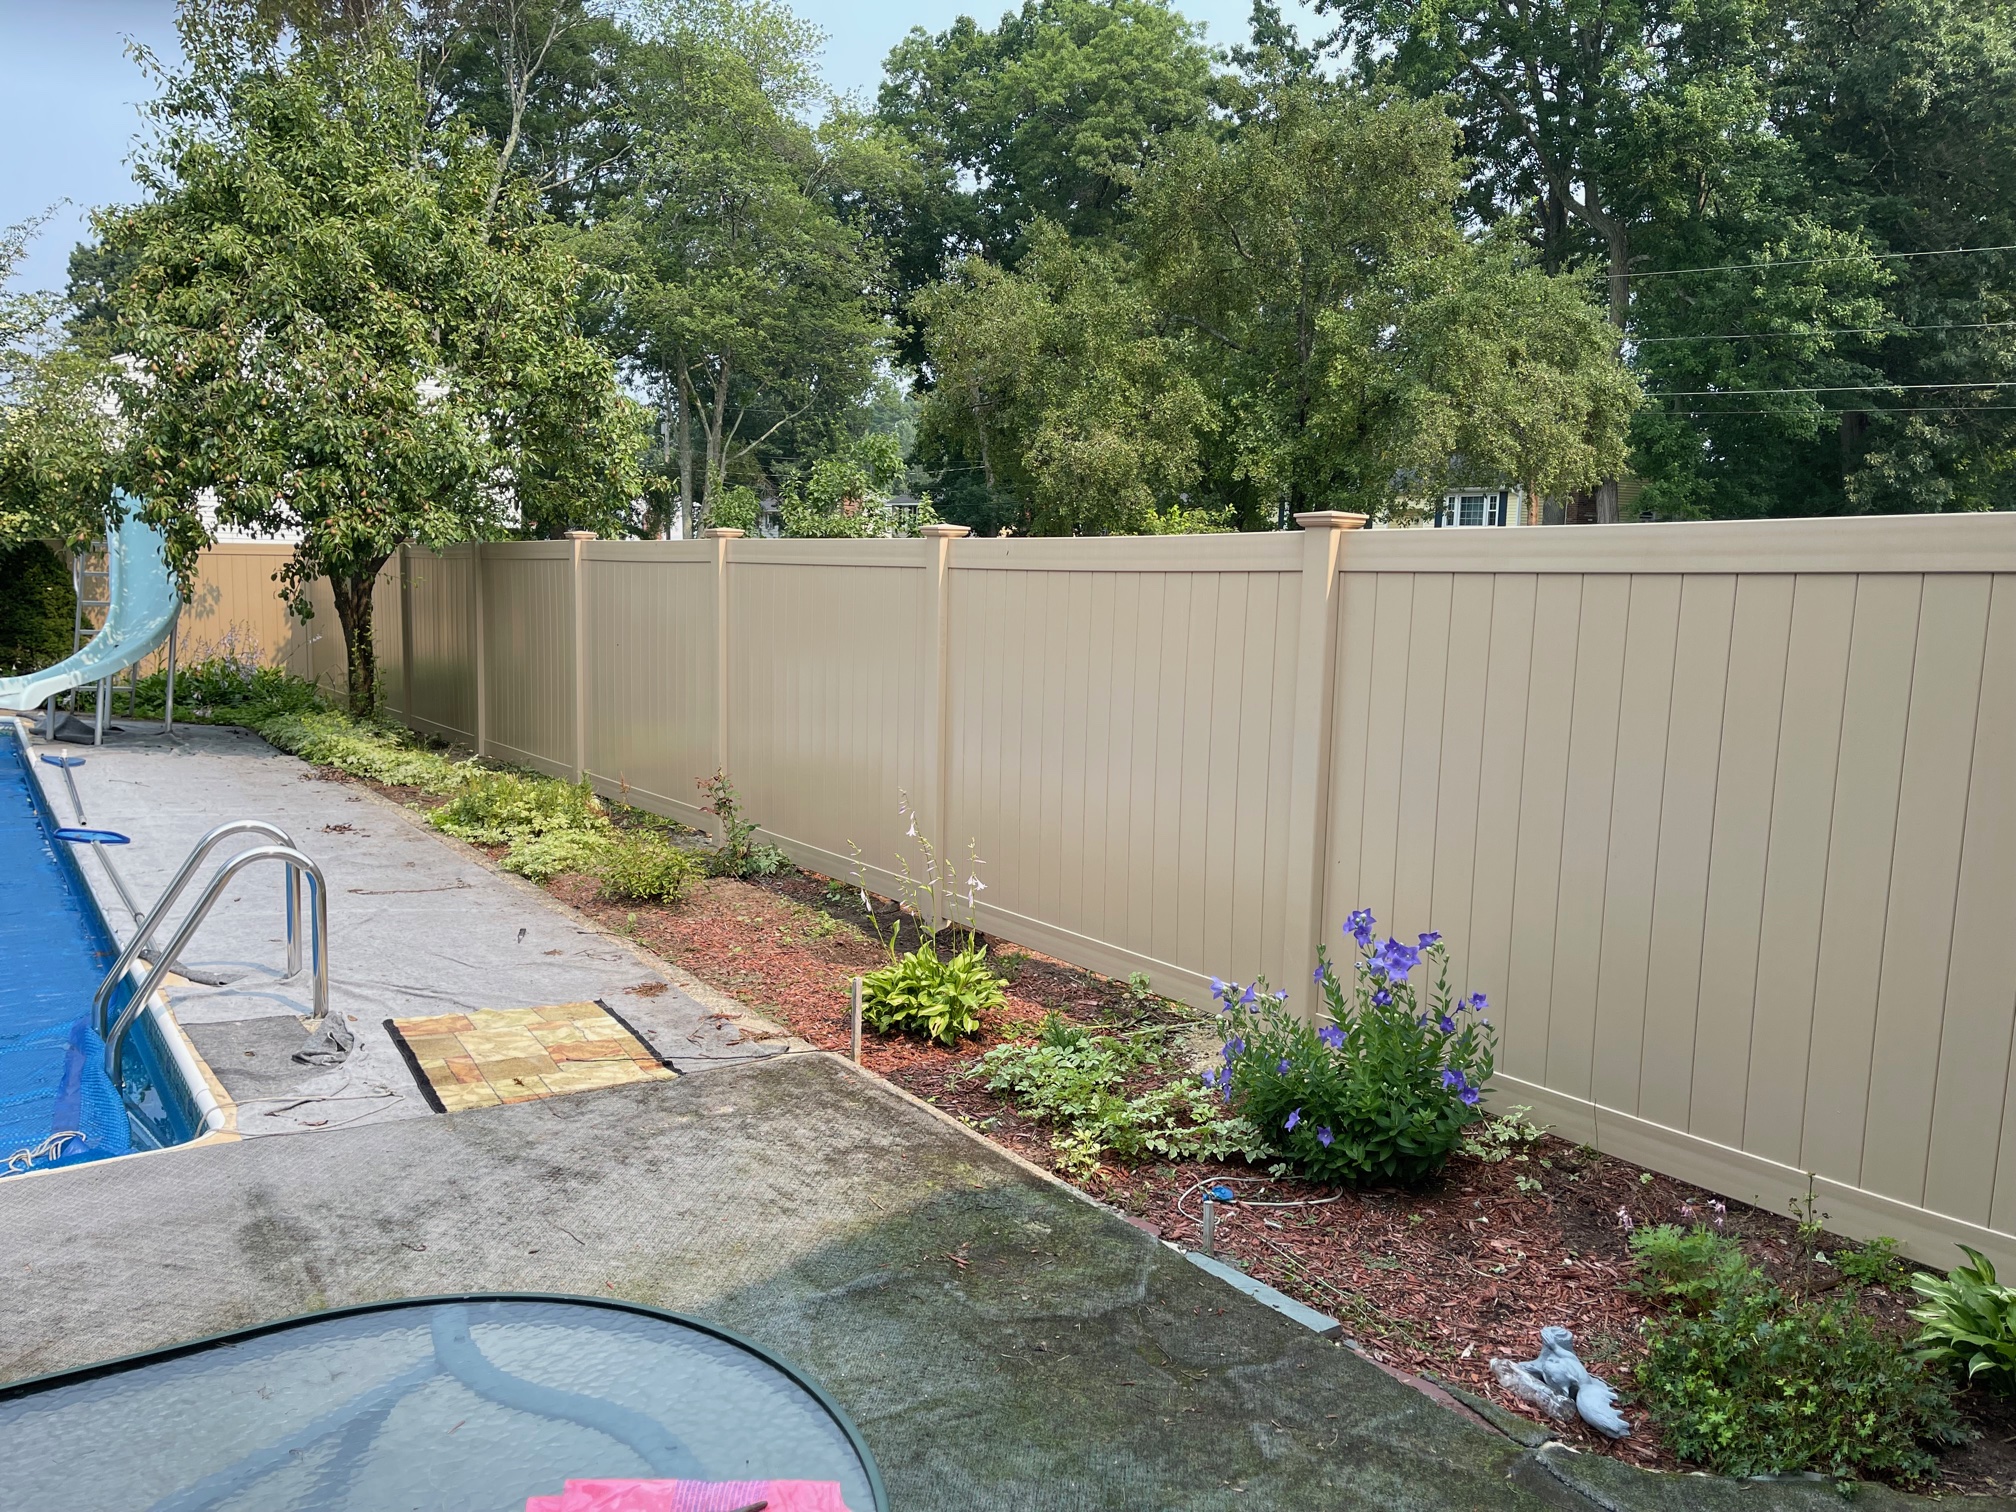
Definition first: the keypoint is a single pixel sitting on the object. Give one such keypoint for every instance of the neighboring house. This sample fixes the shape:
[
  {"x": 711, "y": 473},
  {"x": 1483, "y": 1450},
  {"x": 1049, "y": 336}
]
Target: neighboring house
[{"x": 1484, "y": 506}]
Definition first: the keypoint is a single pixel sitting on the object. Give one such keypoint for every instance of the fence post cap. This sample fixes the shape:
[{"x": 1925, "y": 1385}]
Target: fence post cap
[
  {"x": 721, "y": 533},
  {"x": 946, "y": 531},
  {"x": 1330, "y": 519},
  {"x": 581, "y": 535}
]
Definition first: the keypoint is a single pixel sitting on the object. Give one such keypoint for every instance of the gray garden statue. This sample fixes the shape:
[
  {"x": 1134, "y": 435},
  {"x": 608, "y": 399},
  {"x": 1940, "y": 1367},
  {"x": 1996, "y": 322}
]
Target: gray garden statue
[{"x": 1558, "y": 1379}]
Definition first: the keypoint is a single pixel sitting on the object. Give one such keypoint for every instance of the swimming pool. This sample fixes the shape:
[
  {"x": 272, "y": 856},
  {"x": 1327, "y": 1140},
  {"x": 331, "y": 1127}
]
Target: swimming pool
[{"x": 57, "y": 1103}]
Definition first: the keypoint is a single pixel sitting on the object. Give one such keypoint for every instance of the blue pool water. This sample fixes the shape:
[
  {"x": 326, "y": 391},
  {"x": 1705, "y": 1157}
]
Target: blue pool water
[{"x": 57, "y": 1104}]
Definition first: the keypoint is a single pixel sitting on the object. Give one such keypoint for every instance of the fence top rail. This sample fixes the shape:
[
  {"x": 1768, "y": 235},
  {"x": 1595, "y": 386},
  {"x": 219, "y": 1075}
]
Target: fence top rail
[
  {"x": 751, "y": 552},
  {"x": 1867, "y": 543},
  {"x": 1268, "y": 551},
  {"x": 691, "y": 553}
]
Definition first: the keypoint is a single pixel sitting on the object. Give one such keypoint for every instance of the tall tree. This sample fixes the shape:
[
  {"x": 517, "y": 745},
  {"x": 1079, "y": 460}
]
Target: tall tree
[
  {"x": 1055, "y": 382},
  {"x": 1051, "y": 115},
  {"x": 1313, "y": 255},
  {"x": 332, "y": 327},
  {"x": 742, "y": 278}
]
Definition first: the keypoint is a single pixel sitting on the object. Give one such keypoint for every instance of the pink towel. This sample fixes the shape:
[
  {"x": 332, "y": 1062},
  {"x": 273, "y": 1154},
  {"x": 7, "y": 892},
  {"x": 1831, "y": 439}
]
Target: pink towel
[{"x": 690, "y": 1496}]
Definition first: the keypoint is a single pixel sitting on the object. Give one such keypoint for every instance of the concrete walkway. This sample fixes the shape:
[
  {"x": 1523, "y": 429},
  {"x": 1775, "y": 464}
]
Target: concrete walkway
[{"x": 1002, "y": 1342}]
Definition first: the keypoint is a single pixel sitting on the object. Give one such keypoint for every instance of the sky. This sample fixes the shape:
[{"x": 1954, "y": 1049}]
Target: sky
[{"x": 69, "y": 92}]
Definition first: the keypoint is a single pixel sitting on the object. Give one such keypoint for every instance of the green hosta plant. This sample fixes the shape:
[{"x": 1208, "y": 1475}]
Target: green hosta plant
[
  {"x": 1969, "y": 1321},
  {"x": 927, "y": 991},
  {"x": 1383, "y": 1091},
  {"x": 920, "y": 993}
]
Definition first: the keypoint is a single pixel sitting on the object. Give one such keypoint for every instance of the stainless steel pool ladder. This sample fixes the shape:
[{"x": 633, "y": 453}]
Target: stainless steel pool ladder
[{"x": 298, "y": 866}]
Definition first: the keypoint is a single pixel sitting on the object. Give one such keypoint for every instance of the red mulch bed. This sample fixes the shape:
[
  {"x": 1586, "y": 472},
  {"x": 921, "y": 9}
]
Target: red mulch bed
[{"x": 1431, "y": 1281}]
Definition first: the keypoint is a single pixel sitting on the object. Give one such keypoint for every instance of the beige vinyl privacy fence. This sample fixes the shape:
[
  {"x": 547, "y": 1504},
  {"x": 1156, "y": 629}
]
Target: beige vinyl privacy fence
[
  {"x": 1722, "y": 817},
  {"x": 235, "y": 606}
]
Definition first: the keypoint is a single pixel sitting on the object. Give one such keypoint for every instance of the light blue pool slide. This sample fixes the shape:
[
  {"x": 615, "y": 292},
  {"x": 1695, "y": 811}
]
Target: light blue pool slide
[{"x": 144, "y": 605}]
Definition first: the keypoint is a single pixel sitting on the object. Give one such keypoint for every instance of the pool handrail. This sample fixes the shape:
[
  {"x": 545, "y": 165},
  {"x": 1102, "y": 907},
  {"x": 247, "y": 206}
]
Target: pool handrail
[
  {"x": 115, "y": 1042},
  {"x": 143, "y": 934}
]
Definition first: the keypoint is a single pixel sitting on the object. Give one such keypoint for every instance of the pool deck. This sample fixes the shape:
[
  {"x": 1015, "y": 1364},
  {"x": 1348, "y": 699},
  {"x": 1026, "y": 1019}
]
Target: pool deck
[{"x": 1002, "y": 1342}]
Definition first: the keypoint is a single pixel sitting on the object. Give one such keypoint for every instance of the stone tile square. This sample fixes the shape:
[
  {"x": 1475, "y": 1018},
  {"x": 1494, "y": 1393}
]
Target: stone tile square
[{"x": 492, "y": 1056}]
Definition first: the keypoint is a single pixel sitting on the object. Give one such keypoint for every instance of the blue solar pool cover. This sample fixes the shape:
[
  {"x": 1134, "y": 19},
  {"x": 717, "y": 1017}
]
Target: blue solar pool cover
[{"x": 57, "y": 1105}]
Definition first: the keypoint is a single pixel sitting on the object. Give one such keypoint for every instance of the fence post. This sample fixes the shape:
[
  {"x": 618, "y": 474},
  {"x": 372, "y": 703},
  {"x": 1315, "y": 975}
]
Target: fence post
[
  {"x": 406, "y": 634},
  {"x": 579, "y": 539},
  {"x": 479, "y": 651},
  {"x": 1309, "y": 775},
  {"x": 935, "y": 801},
  {"x": 721, "y": 535}
]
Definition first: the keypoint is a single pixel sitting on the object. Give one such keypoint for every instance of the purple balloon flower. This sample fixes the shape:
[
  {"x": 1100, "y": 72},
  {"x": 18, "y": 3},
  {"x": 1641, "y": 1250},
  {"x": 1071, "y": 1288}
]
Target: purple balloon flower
[
  {"x": 1448, "y": 1025},
  {"x": 1470, "y": 1097},
  {"x": 1293, "y": 1119},
  {"x": 1382, "y": 998},
  {"x": 1282, "y": 1069},
  {"x": 1476, "y": 1002},
  {"x": 1431, "y": 938},
  {"x": 1358, "y": 925},
  {"x": 1323, "y": 1137},
  {"x": 1332, "y": 1036},
  {"x": 1234, "y": 1046}
]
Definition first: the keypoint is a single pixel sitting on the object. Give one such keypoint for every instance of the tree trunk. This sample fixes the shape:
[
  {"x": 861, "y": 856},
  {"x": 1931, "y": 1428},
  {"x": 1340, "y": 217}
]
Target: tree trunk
[
  {"x": 352, "y": 593},
  {"x": 1619, "y": 238},
  {"x": 685, "y": 449}
]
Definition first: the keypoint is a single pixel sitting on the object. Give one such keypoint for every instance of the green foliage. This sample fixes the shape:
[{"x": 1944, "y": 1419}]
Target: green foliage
[
  {"x": 1873, "y": 1263},
  {"x": 1079, "y": 1083},
  {"x": 642, "y": 867},
  {"x": 229, "y": 686},
  {"x": 57, "y": 442},
  {"x": 1749, "y": 1380},
  {"x": 1048, "y": 116},
  {"x": 1382, "y": 1092},
  {"x": 940, "y": 998},
  {"x": 847, "y": 495},
  {"x": 1508, "y": 1136},
  {"x": 554, "y": 853},
  {"x": 735, "y": 508},
  {"x": 378, "y": 753},
  {"x": 1968, "y": 1321},
  {"x": 1057, "y": 381},
  {"x": 740, "y": 272},
  {"x": 37, "y": 609},
  {"x": 500, "y": 808},
  {"x": 341, "y": 323},
  {"x": 738, "y": 853}
]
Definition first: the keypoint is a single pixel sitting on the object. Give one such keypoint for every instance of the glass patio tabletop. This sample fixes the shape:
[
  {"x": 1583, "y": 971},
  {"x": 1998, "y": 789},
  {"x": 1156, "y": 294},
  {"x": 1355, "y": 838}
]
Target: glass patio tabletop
[{"x": 463, "y": 1404}]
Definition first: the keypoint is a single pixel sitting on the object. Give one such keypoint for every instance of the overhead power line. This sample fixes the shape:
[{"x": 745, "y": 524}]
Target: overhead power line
[
  {"x": 1798, "y": 262},
  {"x": 1846, "y": 388},
  {"x": 1891, "y": 330},
  {"x": 1861, "y": 409}
]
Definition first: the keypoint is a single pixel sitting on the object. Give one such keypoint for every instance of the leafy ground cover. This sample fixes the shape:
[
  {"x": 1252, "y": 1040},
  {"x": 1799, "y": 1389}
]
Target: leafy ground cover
[{"x": 1075, "y": 1072}]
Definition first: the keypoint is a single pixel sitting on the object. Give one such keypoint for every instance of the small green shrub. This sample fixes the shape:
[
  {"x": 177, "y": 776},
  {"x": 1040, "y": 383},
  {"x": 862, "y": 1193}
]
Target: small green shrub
[
  {"x": 940, "y": 998},
  {"x": 1385, "y": 1090},
  {"x": 1874, "y": 1263},
  {"x": 739, "y": 854},
  {"x": 1077, "y": 1081},
  {"x": 643, "y": 868},
  {"x": 1969, "y": 1321},
  {"x": 497, "y": 808},
  {"x": 1507, "y": 1137},
  {"x": 375, "y": 752},
  {"x": 1748, "y": 1380},
  {"x": 544, "y": 857},
  {"x": 230, "y": 686},
  {"x": 37, "y": 609}
]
